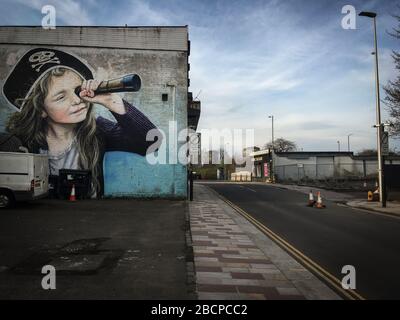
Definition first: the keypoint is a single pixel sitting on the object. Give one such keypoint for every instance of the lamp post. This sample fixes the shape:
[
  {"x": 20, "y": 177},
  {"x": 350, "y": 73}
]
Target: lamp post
[
  {"x": 338, "y": 142},
  {"x": 348, "y": 141},
  {"x": 273, "y": 149},
  {"x": 273, "y": 145},
  {"x": 379, "y": 124}
]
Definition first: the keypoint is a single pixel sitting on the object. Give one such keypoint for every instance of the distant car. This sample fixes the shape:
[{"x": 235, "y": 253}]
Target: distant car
[{"x": 23, "y": 177}]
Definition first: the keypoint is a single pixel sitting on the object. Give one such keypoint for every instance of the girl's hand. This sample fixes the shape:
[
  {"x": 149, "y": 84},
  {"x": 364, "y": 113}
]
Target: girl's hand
[{"x": 111, "y": 101}]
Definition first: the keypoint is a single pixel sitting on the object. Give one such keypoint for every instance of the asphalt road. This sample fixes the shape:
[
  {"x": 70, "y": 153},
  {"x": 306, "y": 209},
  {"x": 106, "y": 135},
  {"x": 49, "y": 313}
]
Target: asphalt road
[{"x": 332, "y": 237}]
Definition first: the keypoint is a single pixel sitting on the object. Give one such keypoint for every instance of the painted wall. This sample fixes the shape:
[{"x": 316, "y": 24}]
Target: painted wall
[{"x": 158, "y": 55}]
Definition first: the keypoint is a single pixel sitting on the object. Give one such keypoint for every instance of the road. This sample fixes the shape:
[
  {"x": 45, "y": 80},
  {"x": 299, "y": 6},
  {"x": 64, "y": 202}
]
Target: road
[{"x": 331, "y": 237}]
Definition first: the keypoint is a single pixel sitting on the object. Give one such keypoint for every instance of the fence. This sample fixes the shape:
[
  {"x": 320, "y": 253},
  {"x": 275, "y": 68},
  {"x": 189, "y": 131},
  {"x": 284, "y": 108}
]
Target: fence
[{"x": 332, "y": 175}]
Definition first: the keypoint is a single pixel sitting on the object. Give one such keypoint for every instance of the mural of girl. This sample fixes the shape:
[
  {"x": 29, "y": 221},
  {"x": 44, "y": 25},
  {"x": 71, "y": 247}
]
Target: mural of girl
[{"x": 54, "y": 120}]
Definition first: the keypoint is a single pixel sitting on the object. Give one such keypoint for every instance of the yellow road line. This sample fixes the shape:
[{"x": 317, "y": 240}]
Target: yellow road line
[{"x": 314, "y": 267}]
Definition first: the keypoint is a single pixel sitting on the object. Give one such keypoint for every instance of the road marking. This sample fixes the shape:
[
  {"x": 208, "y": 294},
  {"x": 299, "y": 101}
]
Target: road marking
[{"x": 314, "y": 267}]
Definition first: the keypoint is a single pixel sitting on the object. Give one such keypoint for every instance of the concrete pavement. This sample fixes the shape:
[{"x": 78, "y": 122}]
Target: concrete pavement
[
  {"x": 132, "y": 249},
  {"x": 101, "y": 249},
  {"x": 392, "y": 207},
  {"x": 234, "y": 260}
]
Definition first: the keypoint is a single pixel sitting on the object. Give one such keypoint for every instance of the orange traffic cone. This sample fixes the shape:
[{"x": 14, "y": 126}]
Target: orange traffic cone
[
  {"x": 72, "y": 196},
  {"x": 320, "y": 205},
  {"x": 311, "y": 200}
]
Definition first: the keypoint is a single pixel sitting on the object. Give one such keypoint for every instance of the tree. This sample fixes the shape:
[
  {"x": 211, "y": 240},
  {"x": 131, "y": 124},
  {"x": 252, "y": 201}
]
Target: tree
[
  {"x": 368, "y": 152},
  {"x": 282, "y": 145},
  {"x": 373, "y": 152},
  {"x": 392, "y": 89}
]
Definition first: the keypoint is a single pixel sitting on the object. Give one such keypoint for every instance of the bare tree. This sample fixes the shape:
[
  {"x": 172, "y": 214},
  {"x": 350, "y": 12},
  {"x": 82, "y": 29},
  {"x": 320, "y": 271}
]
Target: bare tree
[
  {"x": 368, "y": 152},
  {"x": 282, "y": 145},
  {"x": 392, "y": 89},
  {"x": 373, "y": 152}
]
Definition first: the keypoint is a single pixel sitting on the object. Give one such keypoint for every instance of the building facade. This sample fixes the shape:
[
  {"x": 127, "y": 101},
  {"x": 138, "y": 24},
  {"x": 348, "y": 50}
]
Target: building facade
[
  {"x": 158, "y": 55},
  {"x": 303, "y": 166}
]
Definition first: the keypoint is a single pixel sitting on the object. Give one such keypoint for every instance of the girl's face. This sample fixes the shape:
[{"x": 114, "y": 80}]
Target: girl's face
[{"x": 61, "y": 104}]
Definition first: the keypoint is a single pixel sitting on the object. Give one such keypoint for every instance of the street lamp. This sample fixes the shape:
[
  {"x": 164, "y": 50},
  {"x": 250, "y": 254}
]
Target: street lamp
[
  {"x": 338, "y": 142},
  {"x": 273, "y": 149},
  {"x": 273, "y": 145},
  {"x": 378, "y": 111},
  {"x": 348, "y": 141}
]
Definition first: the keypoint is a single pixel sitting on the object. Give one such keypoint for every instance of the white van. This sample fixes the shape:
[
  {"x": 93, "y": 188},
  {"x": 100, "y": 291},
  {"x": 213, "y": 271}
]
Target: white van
[{"x": 23, "y": 177}]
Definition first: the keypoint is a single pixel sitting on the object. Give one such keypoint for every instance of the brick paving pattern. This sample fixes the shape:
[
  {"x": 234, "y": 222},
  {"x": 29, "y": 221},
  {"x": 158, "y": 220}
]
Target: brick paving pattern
[{"x": 228, "y": 263}]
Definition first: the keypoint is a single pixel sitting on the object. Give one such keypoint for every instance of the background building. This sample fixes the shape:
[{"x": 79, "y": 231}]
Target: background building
[{"x": 328, "y": 167}]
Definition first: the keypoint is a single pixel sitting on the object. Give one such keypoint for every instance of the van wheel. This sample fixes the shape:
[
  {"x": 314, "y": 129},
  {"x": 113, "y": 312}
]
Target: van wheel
[{"x": 6, "y": 199}]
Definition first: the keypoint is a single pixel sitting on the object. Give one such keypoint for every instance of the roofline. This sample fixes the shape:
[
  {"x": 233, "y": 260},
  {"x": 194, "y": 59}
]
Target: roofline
[
  {"x": 339, "y": 153},
  {"x": 320, "y": 152},
  {"x": 131, "y": 27},
  {"x": 307, "y": 152}
]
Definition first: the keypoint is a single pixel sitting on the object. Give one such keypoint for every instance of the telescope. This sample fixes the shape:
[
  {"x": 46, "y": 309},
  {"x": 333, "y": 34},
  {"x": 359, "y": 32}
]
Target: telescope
[{"x": 128, "y": 83}]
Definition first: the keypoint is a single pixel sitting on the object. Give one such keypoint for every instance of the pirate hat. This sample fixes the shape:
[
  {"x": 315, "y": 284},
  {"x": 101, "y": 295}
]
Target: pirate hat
[{"x": 33, "y": 66}]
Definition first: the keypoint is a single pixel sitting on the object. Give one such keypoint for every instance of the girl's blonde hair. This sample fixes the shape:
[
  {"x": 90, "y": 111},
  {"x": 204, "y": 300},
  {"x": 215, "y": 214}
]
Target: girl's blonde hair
[{"x": 32, "y": 128}]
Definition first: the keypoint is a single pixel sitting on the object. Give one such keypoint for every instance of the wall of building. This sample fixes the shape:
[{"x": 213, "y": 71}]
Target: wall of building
[{"x": 158, "y": 55}]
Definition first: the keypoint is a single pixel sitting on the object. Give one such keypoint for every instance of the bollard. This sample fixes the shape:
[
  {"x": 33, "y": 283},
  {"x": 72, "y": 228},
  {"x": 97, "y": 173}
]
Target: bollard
[{"x": 370, "y": 196}]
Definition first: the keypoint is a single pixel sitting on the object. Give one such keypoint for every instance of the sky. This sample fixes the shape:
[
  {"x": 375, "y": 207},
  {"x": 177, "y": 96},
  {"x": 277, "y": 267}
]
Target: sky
[{"x": 250, "y": 59}]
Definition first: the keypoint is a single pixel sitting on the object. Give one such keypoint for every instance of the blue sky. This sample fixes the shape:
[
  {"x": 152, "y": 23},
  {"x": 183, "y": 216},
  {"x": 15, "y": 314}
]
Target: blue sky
[{"x": 250, "y": 59}]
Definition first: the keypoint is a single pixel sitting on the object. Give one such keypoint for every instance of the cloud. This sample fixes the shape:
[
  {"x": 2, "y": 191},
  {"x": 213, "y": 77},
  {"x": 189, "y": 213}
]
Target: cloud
[
  {"x": 70, "y": 12},
  {"x": 285, "y": 58},
  {"x": 142, "y": 13}
]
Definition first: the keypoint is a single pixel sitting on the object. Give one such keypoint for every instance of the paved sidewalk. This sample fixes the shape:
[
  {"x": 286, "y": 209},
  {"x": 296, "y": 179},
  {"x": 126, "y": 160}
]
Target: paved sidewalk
[
  {"x": 234, "y": 260},
  {"x": 392, "y": 207}
]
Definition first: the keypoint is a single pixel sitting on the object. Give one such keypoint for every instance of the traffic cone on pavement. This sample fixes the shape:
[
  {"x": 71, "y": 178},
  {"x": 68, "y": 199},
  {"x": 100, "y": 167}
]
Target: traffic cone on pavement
[
  {"x": 320, "y": 205},
  {"x": 311, "y": 200},
  {"x": 72, "y": 197}
]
